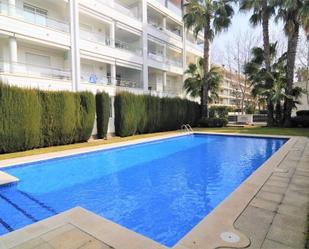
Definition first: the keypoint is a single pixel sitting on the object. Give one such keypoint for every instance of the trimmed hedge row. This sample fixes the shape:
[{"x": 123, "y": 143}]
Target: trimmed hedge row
[
  {"x": 301, "y": 119},
  {"x": 33, "y": 118},
  {"x": 213, "y": 122},
  {"x": 138, "y": 114},
  {"x": 102, "y": 109}
]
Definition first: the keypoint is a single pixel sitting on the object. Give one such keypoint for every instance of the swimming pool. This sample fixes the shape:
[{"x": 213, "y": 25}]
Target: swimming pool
[{"x": 159, "y": 189}]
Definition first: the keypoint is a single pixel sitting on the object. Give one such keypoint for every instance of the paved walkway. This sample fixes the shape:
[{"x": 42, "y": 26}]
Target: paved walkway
[{"x": 277, "y": 217}]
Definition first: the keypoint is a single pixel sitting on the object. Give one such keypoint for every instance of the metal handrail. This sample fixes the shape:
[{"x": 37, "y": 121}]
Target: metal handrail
[{"x": 187, "y": 128}]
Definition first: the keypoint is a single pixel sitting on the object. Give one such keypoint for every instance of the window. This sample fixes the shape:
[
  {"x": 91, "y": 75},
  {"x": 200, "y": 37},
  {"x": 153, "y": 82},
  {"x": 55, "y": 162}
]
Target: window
[{"x": 35, "y": 15}]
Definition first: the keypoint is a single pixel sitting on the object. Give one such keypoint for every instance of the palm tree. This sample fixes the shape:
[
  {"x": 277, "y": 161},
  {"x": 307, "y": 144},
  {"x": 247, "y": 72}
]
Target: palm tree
[
  {"x": 194, "y": 83},
  {"x": 295, "y": 15},
  {"x": 210, "y": 17},
  {"x": 260, "y": 78},
  {"x": 262, "y": 12}
]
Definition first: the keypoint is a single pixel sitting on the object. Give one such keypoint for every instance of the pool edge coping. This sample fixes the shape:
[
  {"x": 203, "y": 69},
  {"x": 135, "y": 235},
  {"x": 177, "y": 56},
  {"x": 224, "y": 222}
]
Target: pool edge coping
[
  {"x": 222, "y": 218},
  {"x": 215, "y": 220}
]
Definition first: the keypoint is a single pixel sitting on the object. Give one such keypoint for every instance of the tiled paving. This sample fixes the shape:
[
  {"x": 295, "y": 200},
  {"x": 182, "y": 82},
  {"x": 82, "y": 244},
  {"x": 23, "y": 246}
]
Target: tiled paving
[
  {"x": 65, "y": 237},
  {"x": 276, "y": 217}
]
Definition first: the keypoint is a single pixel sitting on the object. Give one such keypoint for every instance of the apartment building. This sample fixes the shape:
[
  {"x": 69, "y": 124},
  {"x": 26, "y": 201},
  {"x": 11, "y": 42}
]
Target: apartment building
[
  {"x": 96, "y": 45},
  {"x": 233, "y": 88}
]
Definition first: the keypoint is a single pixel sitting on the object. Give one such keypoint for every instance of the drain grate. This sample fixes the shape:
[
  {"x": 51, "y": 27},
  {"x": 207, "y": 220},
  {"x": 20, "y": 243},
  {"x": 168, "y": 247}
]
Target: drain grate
[{"x": 230, "y": 237}]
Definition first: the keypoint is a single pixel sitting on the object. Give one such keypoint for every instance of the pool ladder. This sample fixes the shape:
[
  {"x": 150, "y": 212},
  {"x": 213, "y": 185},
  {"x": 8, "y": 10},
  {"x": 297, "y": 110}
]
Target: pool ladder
[{"x": 187, "y": 128}]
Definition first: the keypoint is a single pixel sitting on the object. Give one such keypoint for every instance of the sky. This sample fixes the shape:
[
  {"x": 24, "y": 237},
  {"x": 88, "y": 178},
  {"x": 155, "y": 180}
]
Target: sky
[{"x": 241, "y": 25}]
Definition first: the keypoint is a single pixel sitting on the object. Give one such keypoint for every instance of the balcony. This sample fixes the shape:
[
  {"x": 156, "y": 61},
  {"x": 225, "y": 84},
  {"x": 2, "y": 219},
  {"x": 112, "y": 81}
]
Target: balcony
[
  {"x": 128, "y": 47},
  {"x": 95, "y": 37},
  {"x": 34, "y": 70},
  {"x": 128, "y": 77},
  {"x": 35, "y": 16},
  {"x": 95, "y": 72},
  {"x": 175, "y": 7},
  {"x": 131, "y": 9},
  {"x": 174, "y": 62},
  {"x": 128, "y": 41}
]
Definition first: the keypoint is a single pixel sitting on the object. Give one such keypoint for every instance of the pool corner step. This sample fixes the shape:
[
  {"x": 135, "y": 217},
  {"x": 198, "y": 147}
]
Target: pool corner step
[{"x": 7, "y": 179}]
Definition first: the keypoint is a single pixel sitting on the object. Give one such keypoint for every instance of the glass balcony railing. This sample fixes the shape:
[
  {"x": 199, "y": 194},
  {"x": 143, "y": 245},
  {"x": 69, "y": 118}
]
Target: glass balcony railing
[
  {"x": 94, "y": 79},
  {"x": 156, "y": 57},
  {"x": 95, "y": 37},
  {"x": 177, "y": 10},
  {"x": 129, "y": 47},
  {"x": 33, "y": 17},
  {"x": 119, "y": 6},
  {"x": 21, "y": 68},
  {"x": 128, "y": 83},
  {"x": 173, "y": 62},
  {"x": 198, "y": 46}
]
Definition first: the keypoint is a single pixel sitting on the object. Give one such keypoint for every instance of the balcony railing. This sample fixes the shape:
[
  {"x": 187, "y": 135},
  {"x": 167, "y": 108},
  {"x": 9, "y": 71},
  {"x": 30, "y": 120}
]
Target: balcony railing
[
  {"x": 93, "y": 79},
  {"x": 21, "y": 68},
  {"x": 173, "y": 62},
  {"x": 34, "y": 18},
  {"x": 173, "y": 31},
  {"x": 177, "y": 10},
  {"x": 128, "y": 83},
  {"x": 198, "y": 46},
  {"x": 95, "y": 37},
  {"x": 129, "y": 47},
  {"x": 122, "y": 8},
  {"x": 156, "y": 57},
  {"x": 109, "y": 81}
]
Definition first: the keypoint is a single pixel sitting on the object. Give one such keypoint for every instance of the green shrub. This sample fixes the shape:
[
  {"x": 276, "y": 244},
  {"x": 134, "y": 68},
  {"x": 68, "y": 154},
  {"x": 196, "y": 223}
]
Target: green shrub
[
  {"x": 213, "y": 122},
  {"x": 250, "y": 109},
  {"x": 219, "y": 111},
  {"x": 300, "y": 121},
  {"x": 33, "y": 118},
  {"x": 302, "y": 113},
  {"x": 85, "y": 115},
  {"x": 58, "y": 117},
  {"x": 102, "y": 110},
  {"x": 20, "y": 114},
  {"x": 143, "y": 113}
]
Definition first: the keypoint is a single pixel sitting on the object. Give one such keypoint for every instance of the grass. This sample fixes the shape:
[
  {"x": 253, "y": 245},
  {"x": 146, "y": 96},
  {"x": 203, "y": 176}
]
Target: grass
[
  {"x": 236, "y": 130},
  {"x": 260, "y": 130},
  {"x": 91, "y": 143}
]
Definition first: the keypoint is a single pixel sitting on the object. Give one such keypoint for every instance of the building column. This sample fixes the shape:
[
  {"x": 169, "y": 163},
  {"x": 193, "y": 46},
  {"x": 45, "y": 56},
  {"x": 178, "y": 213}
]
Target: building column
[
  {"x": 145, "y": 45},
  {"x": 75, "y": 48},
  {"x": 112, "y": 34},
  {"x": 164, "y": 22},
  {"x": 13, "y": 53},
  {"x": 12, "y": 4},
  {"x": 164, "y": 81},
  {"x": 113, "y": 74}
]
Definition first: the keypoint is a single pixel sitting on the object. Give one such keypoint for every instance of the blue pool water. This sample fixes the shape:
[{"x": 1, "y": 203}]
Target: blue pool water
[{"x": 160, "y": 189}]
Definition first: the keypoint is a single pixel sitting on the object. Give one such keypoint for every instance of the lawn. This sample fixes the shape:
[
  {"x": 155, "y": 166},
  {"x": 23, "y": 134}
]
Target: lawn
[
  {"x": 260, "y": 130},
  {"x": 240, "y": 130}
]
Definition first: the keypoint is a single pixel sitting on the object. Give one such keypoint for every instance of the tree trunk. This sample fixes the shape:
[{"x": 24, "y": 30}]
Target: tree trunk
[
  {"x": 205, "y": 88},
  {"x": 291, "y": 57},
  {"x": 265, "y": 24}
]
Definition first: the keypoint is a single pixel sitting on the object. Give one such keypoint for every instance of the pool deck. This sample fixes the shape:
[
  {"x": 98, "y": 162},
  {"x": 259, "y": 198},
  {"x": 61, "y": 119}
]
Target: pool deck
[{"x": 269, "y": 210}]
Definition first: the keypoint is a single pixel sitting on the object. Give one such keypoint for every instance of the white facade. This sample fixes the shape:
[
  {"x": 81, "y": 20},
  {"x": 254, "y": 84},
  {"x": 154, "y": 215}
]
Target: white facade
[{"x": 96, "y": 45}]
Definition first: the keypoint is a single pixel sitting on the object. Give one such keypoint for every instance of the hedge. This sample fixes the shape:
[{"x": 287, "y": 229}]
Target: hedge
[
  {"x": 138, "y": 114},
  {"x": 213, "y": 122},
  {"x": 20, "y": 114},
  {"x": 33, "y": 118},
  {"x": 102, "y": 110},
  {"x": 219, "y": 111},
  {"x": 302, "y": 113}
]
